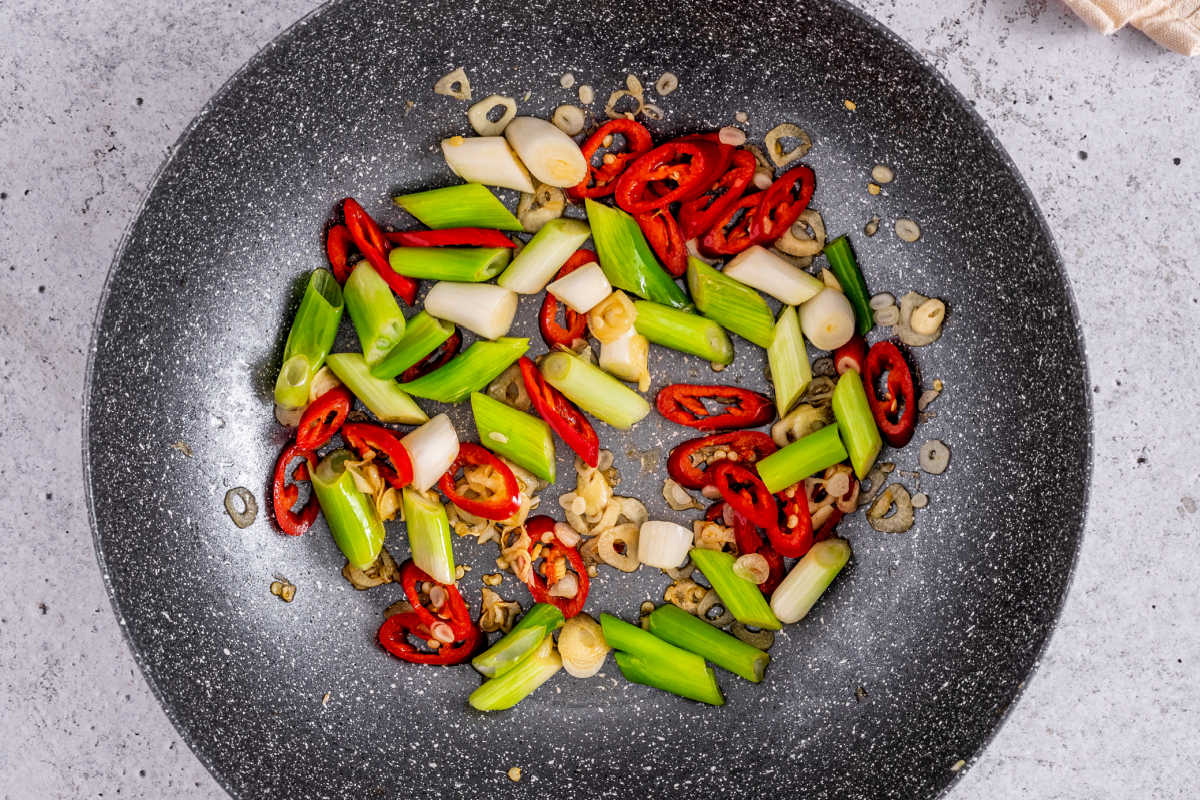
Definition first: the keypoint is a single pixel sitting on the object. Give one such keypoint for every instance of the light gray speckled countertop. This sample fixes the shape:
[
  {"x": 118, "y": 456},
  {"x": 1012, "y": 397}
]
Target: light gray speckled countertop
[{"x": 1104, "y": 130}]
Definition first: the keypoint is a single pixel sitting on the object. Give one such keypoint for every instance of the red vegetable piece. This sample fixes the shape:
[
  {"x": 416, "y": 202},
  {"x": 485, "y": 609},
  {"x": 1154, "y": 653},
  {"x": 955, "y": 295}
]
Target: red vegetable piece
[
  {"x": 793, "y": 535},
  {"x": 395, "y": 630},
  {"x": 748, "y": 446},
  {"x": 450, "y": 237},
  {"x": 895, "y": 411},
  {"x": 502, "y": 504},
  {"x": 337, "y": 247},
  {"x": 435, "y": 360},
  {"x": 700, "y": 214},
  {"x": 731, "y": 234},
  {"x": 782, "y": 203},
  {"x": 366, "y": 439},
  {"x": 369, "y": 239},
  {"x": 746, "y": 494},
  {"x": 851, "y": 355},
  {"x": 662, "y": 231},
  {"x": 323, "y": 417},
  {"x": 285, "y": 495},
  {"x": 827, "y": 528},
  {"x": 576, "y": 328},
  {"x": 685, "y": 166},
  {"x": 561, "y": 415},
  {"x": 453, "y": 611},
  {"x": 601, "y": 180},
  {"x": 538, "y": 585},
  {"x": 683, "y": 403}
]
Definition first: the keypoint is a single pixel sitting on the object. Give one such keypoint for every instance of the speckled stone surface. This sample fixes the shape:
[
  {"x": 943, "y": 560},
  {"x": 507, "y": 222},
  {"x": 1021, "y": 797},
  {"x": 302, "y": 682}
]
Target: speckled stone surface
[{"x": 1109, "y": 712}]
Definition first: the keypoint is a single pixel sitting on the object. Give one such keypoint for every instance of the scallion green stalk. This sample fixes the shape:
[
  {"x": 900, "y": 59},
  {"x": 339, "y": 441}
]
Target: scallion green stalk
[
  {"x": 429, "y": 535},
  {"x": 539, "y": 621},
  {"x": 384, "y": 398},
  {"x": 422, "y": 336},
  {"x": 856, "y": 423},
  {"x": 802, "y": 458},
  {"x": 798, "y": 593},
  {"x": 683, "y": 331},
  {"x": 470, "y": 371},
  {"x": 468, "y": 205},
  {"x": 644, "y": 658},
  {"x": 351, "y": 515},
  {"x": 462, "y": 264},
  {"x": 788, "y": 359},
  {"x": 672, "y": 624},
  {"x": 735, "y": 305},
  {"x": 626, "y": 257},
  {"x": 854, "y": 286},
  {"x": 522, "y": 438},
  {"x": 739, "y": 596},
  {"x": 594, "y": 390},
  {"x": 548, "y": 250},
  {"x": 311, "y": 336},
  {"x": 374, "y": 312},
  {"x": 506, "y": 690}
]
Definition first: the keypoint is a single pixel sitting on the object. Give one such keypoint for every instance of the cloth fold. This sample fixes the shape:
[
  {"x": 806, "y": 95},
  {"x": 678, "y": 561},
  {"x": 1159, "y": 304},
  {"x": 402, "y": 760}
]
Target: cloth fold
[{"x": 1175, "y": 24}]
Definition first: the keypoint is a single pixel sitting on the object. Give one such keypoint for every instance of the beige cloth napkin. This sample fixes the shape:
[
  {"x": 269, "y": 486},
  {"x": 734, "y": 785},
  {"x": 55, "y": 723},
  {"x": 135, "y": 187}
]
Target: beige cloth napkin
[{"x": 1175, "y": 24}]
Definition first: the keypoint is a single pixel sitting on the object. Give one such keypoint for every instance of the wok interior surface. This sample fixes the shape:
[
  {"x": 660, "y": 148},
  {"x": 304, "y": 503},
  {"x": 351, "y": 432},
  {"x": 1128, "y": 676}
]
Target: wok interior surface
[{"x": 904, "y": 668}]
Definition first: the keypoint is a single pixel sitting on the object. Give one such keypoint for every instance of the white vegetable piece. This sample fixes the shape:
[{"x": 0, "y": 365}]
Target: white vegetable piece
[
  {"x": 582, "y": 647},
  {"x": 663, "y": 544},
  {"x": 761, "y": 269},
  {"x": 809, "y": 579},
  {"x": 827, "y": 320},
  {"x": 583, "y": 288},
  {"x": 627, "y": 357},
  {"x": 551, "y": 155},
  {"x": 549, "y": 249},
  {"x": 488, "y": 160},
  {"x": 483, "y": 308},
  {"x": 432, "y": 448}
]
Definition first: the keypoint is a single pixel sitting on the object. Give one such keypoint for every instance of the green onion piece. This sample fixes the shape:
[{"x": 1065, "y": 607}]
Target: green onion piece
[
  {"x": 735, "y": 305},
  {"x": 798, "y": 593},
  {"x": 385, "y": 399},
  {"x": 683, "y": 331},
  {"x": 463, "y": 264},
  {"x": 648, "y": 660},
  {"x": 739, "y": 596},
  {"x": 506, "y": 690},
  {"x": 469, "y": 205},
  {"x": 311, "y": 336},
  {"x": 469, "y": 371},
  {"x": 548, "y": 250},
  {"x": 429, "y": 535},
  {"x": 788, "y": 359},
  {"x": 522, "y": 438},
  {"x": 802, "y": 458},
  {"x": 594, "y": 390},
  {"x": 626, "y": 257},
  {"x": 856, "y": 422},
  {"x": 351, "y": 515},
  {"x": 539, "y": 621},
  {"x": 422, "y": 336},
  {"x": 845, "y": 269},
  {"x": 672, "y": 624},
  {"x": 374, "y": 312}
]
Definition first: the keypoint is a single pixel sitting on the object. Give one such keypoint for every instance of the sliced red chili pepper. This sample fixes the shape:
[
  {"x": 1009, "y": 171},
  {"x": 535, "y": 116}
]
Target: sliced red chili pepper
[
  {"x": 285, "y": 495},
  {"x": 453, "y": 611},
  {"x": 827, "y": 528},
  {"x": 501, "y": 505},
  {"x": 782, "y": 203},
  {"x": 683, "y": 403},
  {"x": 552, "y": 551},
  {"x": 369, "y": 239},
  {"x": 435, "y": 360},
  {"x": 687, "y": 461},
  {"x": 561, "y": 415},
  {"x": 895, "y": 411},
  {"x": 323, "y": 417},
  {"x": 601, "y": 180},
  {"x": 731, "y": 233},
  {"x": 793, "y": 535},
  {"x": 686, "y": 165},
  {"x": 337, "y": 248},
  {"x": 662, "y": 231},
  {"x": 745, "y": 493},
  {"x": 576, "y": 328},
  {"x": 749, "y": 540},
  {"x": 450, "y": 237},
  {"x": 385, "y": 444},
  {"x": 700, "y": 214},
  {"x": 395, "y": 630},
  {"x": 851, "y": 355}
]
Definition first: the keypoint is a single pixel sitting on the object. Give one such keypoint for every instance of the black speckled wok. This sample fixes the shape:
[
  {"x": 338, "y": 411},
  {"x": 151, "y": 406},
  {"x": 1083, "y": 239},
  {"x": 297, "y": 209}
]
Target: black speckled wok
[{"x": 910, "y": 661}]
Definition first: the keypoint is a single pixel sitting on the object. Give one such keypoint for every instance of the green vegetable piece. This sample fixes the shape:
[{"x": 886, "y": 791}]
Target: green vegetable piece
[
  {"x": 522, "y": 438},
  {"x": 856, "y": 423},
  {"x": 626, "y": 257},
  {"x": 374, "y": 312},
  {"x": 310, "y": 339},
  {"x": 539, "y": 621},
  {"x": 468, "y": 205},
  {"x": 845, "y": 268},
  {"x": 351, "y": 515},
  {"x": 429, "y": 535},
  {"x": 735, "y": 305},
  {"x": 683, "y": 331},
  {"x": 802, "y": 458},
  {"x": 510, "y": 688},
  {"x": 422, "y": 336},
  {"x": 385, "y": 399},
  {"x": 470, "y": 371},
  {"x": 739, "y": 596}
]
